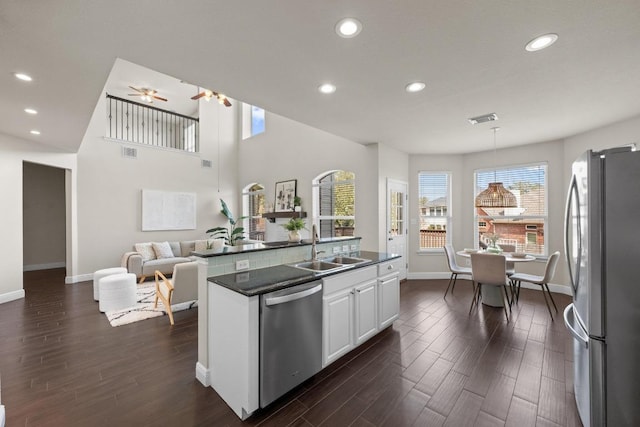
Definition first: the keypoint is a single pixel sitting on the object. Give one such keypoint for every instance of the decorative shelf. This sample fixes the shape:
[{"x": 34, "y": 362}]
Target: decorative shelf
[{"x": 271, "y": 216}]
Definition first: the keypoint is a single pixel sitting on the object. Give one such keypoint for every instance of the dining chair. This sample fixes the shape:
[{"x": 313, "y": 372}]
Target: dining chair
[
  {"x": 489, "y": 270},
  {"x": 454, "y": 268},
  {"x": 543, "y": 281},
  {"x": 182, "y": 287},
  {"x": 511, "y": 267}
]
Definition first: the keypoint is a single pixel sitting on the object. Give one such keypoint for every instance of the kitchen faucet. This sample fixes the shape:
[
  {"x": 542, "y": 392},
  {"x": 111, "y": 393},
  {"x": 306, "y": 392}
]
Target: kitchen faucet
[{"x": 314, "y": 240}]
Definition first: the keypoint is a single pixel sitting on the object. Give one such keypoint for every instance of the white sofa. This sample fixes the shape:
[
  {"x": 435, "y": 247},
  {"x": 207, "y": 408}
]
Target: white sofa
[{"x": 148, "y": 257}]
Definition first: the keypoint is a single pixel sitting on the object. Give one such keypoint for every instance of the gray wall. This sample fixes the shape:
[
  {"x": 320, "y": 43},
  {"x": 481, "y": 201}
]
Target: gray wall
[{"x": 44, "y": 216}]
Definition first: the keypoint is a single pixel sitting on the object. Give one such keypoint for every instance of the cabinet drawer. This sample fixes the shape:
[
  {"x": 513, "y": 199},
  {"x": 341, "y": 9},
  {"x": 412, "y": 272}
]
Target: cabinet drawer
[
  {"x": 389, "y": 267},
  {"x": 346, "y": 280}
]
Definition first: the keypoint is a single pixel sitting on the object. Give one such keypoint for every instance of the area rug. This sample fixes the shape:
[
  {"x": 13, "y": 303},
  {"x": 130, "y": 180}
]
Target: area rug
[{"x": 143, "y": 310}]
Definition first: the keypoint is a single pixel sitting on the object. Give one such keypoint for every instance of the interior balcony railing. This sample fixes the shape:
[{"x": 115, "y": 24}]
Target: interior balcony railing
[{"x": 143, "y": 124}]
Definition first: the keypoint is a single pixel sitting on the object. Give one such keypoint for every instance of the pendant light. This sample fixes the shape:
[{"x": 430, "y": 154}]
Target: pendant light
[{"x": 496, "y": 196}]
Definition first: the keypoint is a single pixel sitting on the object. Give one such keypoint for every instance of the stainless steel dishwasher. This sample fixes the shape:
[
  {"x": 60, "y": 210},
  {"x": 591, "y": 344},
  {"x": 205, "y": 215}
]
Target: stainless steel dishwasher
[{"x": 290, "y": 339}]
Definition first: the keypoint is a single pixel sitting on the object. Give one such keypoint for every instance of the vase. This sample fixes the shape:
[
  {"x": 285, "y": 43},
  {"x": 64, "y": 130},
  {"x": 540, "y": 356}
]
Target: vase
[
  {"x": 294, "y": 236},
  {"x": 494, "y": 249}
]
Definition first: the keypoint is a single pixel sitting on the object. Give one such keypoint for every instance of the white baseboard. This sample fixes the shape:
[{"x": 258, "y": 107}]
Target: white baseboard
[
  {"x": 79, "y": 278},
  {"x": 560, "y": 289},
  {"x": 11, "y": 296},
  {"x": 202, "y": 374},
  {"x": 47, "y": 266}
]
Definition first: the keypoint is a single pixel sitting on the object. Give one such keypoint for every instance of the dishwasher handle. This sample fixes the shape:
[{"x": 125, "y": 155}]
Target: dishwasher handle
[{"x": 292, "y": 297}]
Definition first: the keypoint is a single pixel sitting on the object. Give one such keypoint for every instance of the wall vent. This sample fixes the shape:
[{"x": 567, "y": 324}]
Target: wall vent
[
  {"x": 206, "y": 163},
  {"x": 483, "y": 119},
  {"x": 129, "y": 153}
]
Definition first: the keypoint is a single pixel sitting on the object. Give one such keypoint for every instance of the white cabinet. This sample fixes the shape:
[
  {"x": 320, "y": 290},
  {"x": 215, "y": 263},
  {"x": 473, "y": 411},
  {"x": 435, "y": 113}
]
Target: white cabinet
[
  {"x": 349, "y": 311},
  {"x": 388, "y": 293},
  {"x": 365, "y": 304},
  {"x": 337, "y": 325}
]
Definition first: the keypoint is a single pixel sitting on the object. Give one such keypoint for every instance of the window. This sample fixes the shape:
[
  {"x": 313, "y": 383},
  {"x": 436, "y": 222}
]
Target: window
[
  {"x": 434, "y": 198},
  {"x": 334, "y": 197},
  {"x": 253, "y": 120},
  {"x": 253, "y": 208},
  {"x": 523, "y": 226}
]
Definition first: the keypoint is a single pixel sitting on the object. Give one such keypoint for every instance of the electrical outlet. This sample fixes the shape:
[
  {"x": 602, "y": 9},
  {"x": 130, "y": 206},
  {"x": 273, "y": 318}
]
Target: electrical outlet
[
  {"x": 242, "y": 264},
  {"x": 336, "y": 249},
  {"x": 354, "y": 247},
  {"x": 467, "y": 262},
  {"x": 345, "y": 248}
]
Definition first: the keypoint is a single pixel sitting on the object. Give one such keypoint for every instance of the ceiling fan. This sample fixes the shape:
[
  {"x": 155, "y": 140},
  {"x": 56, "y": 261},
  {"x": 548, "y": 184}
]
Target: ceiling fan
[
  {"x": 147, "y": 94},
  {"x": 208, "y": 94}
]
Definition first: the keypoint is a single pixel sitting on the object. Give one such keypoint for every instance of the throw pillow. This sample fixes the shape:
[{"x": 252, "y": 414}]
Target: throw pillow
[
  {"x": 146, "y": 250},
  {"x": 201, "y": 245},
  {"x": 162, "y": 250}
]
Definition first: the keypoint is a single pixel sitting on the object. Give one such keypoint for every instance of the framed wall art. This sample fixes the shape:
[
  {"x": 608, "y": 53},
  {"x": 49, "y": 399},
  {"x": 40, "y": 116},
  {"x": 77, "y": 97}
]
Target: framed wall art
[{"x": 285, "y": 193}]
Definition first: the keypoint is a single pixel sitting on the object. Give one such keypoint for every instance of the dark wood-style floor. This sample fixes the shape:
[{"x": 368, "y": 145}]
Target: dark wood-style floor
[{"x": 62, "y": 364}]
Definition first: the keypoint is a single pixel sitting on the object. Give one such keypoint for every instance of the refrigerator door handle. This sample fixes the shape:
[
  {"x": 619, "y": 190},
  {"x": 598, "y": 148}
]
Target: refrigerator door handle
[
  {"x": 572, "y": 326},
  {"x": 572, "y": 197}
]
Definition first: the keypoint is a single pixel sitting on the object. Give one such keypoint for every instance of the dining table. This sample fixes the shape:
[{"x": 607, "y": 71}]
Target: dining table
[{"x": 491, "y": 295}]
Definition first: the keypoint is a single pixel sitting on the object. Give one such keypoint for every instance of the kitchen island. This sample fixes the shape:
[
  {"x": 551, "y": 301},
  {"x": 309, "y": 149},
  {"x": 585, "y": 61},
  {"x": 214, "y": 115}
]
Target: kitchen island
[{"x": 356, "y": 301}]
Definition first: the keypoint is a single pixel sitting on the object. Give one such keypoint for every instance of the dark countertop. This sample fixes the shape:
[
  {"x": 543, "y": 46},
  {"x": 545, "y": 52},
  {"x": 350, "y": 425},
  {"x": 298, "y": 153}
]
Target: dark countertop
[
  {"x": 260, "y": 246},
  {"x": 269, "y": 279}
]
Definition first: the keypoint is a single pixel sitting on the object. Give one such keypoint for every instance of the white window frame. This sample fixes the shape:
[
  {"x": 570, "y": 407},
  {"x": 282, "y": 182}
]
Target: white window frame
[
  {"x": 247, "y": 193},
  {"x": 448, "y": 217},
  {"x": 315, "y": 189},
  {"x": 545, "y": 218}
]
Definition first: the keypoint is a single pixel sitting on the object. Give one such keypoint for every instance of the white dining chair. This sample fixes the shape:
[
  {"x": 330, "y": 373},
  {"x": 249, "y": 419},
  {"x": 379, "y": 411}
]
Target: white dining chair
[
  {"x": 542, "y": 281},
  {"x": 454, "y": 268},
  {"x": 489, "y": 270}
]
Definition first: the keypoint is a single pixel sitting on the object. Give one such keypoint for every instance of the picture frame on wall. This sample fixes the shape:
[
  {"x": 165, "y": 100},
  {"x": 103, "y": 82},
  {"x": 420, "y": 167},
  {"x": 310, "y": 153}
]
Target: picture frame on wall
[{"x": 285, "y": 193}]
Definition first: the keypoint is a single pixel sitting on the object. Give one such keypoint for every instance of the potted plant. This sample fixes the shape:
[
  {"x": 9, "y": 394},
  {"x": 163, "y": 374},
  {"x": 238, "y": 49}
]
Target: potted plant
[
  {"x": 294, "y": 226},
  {"x": 296, "y": 204},
  {"x": 493, "y": 247},
  {"x": 232, "y": 234}
]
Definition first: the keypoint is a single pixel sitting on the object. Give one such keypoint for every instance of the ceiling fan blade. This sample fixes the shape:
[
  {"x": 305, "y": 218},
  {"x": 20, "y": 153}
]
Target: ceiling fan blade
[
  {"x": 198, "y": 96},
  {"x": 136, "y": 89},
  {"x": 159, "y": 98},
  {"x": 227, "y": 103}
]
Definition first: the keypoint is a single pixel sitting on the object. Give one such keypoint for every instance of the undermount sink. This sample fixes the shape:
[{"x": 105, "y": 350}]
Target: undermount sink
[
  {"x": 344, "y": 260},
  {"x": 323, "y": 266}
]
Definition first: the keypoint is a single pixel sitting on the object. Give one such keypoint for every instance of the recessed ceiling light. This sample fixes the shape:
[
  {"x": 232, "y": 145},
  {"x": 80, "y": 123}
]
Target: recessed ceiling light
[
  {"x": 30, "y": 111},
  {"x": 414, "y": 87},
  {"x": 348, "y": 27},
  {"x": 327, "y": 88},
  {"x": 23, "y": 76},
  {"x": 541, "y": 42},
  {"x": 35, "y": 132}
]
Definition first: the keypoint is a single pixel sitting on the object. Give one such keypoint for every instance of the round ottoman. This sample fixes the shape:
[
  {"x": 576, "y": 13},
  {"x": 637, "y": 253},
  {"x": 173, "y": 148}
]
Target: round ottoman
[
  {"x": 104, "y": 273},
  {"x": 117, "y": 291}
]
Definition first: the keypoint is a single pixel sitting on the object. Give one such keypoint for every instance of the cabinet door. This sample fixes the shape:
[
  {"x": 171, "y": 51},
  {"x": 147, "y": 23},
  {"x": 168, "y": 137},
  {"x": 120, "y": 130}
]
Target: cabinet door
[
  {"x": 338, "y": 325},
  {"x": 388, "y": 300},
  {"x": 366, "y": 311}
]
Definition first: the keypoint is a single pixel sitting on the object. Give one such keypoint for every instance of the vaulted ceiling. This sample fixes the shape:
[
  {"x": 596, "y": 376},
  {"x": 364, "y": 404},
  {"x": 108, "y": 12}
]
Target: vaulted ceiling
[{"x": 470, "y": 54}]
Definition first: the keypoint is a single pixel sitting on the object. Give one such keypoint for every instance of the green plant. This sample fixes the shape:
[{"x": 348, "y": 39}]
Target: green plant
[
  {"x": 231, "y": 234},
  {"x": 296, "y": 201},
  {"x": 294, "y": 224}
]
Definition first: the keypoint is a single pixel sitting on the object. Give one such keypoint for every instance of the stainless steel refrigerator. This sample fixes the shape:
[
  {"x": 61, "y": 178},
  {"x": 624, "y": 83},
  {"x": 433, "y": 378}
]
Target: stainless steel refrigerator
[{"x": 602, "y": 246}]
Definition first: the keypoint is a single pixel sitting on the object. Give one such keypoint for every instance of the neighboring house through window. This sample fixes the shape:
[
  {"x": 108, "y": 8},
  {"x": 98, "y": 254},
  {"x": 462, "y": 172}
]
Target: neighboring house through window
[
  {"x": 334, "y": 197},
  {"x": 434, "y": 203},
  {"x": 523, "y": 226}
]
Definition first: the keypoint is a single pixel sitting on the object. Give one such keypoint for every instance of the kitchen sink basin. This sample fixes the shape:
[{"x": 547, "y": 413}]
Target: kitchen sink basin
[
  {"x": 318, "y": 266},
  {"x": 345, "y": 260}
]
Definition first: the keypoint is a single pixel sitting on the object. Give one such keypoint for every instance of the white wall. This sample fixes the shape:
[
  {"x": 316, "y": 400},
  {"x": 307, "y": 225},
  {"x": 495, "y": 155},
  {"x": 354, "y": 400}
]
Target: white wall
[
  {"x": 44, "y": 217},
  {"x": 110, "y": 186},
  {"x": 292, "y": 150},
  {"x": 392, "y": 164},
  {"x": 14, "y": 152}
]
